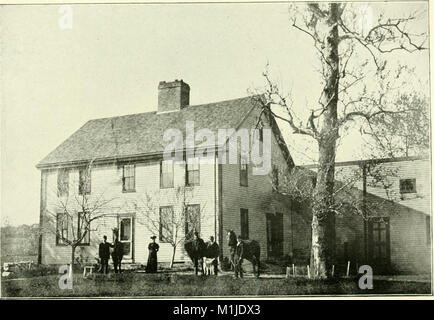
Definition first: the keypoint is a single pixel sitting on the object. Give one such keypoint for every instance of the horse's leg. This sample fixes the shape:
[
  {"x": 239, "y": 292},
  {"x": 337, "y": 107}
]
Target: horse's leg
[{"x": 258, "y": 263}]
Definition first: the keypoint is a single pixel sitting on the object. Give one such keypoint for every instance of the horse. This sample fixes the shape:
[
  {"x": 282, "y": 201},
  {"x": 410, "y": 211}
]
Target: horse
[
  {"x": 252, "y": 251},
  {"x": 200, "y": 255},
  {"x": 196, "y": 250}
]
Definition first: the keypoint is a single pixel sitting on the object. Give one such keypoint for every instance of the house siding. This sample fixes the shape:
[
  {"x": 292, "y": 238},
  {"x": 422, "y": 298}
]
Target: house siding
[
  {"x": 106, "y": 181},
  {"x": 255, "y": 197},
  {"x": 409, "y": 250}
]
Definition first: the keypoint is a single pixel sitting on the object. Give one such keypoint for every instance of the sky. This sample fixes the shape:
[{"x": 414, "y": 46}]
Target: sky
[{"x": 109, "y": 63}]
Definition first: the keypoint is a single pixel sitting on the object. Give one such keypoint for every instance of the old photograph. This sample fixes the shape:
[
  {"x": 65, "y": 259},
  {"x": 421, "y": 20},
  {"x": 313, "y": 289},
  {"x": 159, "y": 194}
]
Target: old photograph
[{"x": 236, "y": 149}]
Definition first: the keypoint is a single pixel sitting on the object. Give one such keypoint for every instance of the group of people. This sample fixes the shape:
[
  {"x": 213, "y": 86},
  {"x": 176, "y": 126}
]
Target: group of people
[{"x": 115, "y": 249}]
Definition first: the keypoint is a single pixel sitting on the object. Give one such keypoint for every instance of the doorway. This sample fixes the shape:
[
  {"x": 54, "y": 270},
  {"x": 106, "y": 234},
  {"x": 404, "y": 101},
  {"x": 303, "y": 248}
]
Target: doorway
[
  {"x": 126, "y": 236},
  {"x": 379, "y": 242},
  {"x": 274, "y": 235}
]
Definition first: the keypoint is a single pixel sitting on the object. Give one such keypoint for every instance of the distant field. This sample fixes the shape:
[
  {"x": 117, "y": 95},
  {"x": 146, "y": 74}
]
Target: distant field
[
  {"x": 166, "y": 284},
  {"x": 18, "y": 258}
]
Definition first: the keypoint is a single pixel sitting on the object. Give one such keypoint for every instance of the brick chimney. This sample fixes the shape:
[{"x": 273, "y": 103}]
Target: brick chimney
[{"x": 173, "y": 96}]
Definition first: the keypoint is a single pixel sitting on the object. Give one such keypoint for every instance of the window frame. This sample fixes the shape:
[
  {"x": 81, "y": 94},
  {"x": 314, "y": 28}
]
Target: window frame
[
  {"x": 161, "y": 237},
  {"x": 65, "y": 219},
  {"x": 162, "y": 186},
  {"x": 188, "y": 183},
  {"x": 244, "y": 223},
  {"x": 133, "y": 177},
  {"x": 402, "y": 183},
  {"x": 275, "y": 177},
  {"x": 83, "y": 243},
  {"x": 62, "y": 182},
  {"x": 81, "y": 184},
  {"x": 187, "y": 218},
  {"x": 244, "y": 173}
]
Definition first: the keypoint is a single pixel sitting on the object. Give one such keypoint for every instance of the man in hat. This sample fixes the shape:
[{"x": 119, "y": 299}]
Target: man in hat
[
  {"x": 153, "y": 248},
  {"x": 238, "y": 257},
  {"x": 104, "y": 254},
  {"x": 118, "y": 252},
  {"x": 213, "y": 252}
]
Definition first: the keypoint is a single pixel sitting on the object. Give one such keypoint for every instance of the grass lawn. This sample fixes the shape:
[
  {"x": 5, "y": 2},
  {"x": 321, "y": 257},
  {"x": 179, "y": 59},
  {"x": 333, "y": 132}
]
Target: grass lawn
[{"x": 166, "y": 284}]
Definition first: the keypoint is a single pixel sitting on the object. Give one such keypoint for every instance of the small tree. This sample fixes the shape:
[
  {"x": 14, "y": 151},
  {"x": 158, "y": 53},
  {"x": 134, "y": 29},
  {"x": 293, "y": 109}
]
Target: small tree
[
  {"x": 70, "y": 214},
  {"x": 175, "y": 222}
]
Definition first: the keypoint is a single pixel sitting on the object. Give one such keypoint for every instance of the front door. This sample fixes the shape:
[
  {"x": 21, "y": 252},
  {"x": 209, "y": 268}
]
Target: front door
[
  {"x": 379, "y": 243},
  {"x": 126, "y": 236},
  {"x": 274, "y": 235}
]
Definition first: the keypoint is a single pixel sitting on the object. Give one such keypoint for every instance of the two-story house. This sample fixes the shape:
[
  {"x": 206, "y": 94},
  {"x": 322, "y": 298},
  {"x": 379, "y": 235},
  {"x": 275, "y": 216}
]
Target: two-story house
[{"x": 118, "y": 162}]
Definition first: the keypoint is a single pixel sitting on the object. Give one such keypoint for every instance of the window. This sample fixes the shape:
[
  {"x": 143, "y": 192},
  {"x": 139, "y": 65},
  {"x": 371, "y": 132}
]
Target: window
[
  {"x": 407, "y": 185},
  {"x": 243, "y": 172},
  {"x": 83, "y": 228},
  {"x": 84, "y": 181},
  {"x": 428, "y": 229},
  {"x": 166, "y": 224},
  {"x": 126, "y": 236},
  {"x": 192, "y": 220},
  {"x": 129, "y": 178},
  {"x": 61, "y": 228},
  {"x": 244, "y": 218},
  {"x": 62, "y": 182},
  {"x": 192, "y": 172},
  {"x": 261, "y": 134},
  {"x": 166, "y": 174},
  {"x": 275, "y": 177}
]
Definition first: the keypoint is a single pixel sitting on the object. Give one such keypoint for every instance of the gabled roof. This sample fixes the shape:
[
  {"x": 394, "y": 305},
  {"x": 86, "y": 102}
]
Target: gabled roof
[{"x": 142, "y": 134}]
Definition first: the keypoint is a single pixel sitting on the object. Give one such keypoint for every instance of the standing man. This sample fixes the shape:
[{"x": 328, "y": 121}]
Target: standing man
[
  {"x": 104, "y": 255},
  {"x": 118, "y": 252},
  {"x": 198, "y": 248},
  {"x": 213, "y": 252},
  {"x": 238, "y": 258}
]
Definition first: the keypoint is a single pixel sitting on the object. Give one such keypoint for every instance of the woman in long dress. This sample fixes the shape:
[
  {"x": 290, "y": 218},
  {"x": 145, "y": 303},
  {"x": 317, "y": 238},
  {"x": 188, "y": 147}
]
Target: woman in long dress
[{"x": 153, "y": 248}]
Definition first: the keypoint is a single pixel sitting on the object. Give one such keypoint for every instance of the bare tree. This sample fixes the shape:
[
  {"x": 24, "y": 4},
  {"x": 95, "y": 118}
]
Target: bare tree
[
  {"x": 357, "y": 89},
  {"x": 401, "y": 134},
  {"x": 175, "y": 222},
  {"x": 70, "y": 215}
]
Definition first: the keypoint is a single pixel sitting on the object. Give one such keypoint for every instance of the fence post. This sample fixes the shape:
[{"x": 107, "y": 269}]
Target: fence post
[
  {"x": 308, "y": 271},
  {"x": 348, "y": 269}
]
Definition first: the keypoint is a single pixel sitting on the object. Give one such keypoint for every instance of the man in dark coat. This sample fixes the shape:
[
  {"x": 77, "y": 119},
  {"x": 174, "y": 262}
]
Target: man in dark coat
[
  {"x": 104, "y": 255},
  {"x": 199, "y": 246},
  {"x": 117, "y": 254},
  {"x": 238, "y": 257},
  {"x": 213, "y": 251}
]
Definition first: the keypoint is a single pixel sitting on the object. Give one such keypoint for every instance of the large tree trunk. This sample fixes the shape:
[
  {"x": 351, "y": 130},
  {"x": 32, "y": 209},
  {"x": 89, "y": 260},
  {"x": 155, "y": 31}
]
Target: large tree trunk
[{"x": 323, "y": 220}]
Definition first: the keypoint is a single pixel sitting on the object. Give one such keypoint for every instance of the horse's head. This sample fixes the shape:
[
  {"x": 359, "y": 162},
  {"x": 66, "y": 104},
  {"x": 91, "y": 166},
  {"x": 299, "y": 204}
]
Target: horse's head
[{"x": 231, "y": 238}]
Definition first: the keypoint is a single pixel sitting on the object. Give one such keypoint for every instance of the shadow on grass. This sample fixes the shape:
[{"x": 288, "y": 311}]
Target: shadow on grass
[{"x": 166, "y": 284}]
